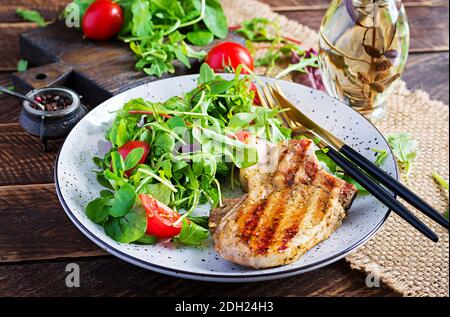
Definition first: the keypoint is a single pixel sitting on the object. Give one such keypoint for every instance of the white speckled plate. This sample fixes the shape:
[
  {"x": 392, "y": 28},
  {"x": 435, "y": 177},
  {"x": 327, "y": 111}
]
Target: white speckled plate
[{"x": 76, "y": 185}]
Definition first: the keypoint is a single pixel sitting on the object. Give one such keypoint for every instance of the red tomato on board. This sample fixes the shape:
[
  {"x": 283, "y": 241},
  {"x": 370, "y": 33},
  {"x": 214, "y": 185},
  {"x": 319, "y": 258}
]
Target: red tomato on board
[
  {"x": 102, "y": 20},
  {"x": 160, "y": 218},
  {"x": 125, "y": 149},
  {"x": 229, "y": 54}
]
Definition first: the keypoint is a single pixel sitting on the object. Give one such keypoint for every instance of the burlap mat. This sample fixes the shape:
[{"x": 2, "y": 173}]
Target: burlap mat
[{"x": 398, "y": 255}]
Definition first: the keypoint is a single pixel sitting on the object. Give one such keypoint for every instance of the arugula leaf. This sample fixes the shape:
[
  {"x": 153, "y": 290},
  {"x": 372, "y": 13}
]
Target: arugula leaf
[
  {"x": 206, "y": 74},
  {"x": 22, "y": 65},
  {"x": 133, "y": 158},
  {"x": 404, "y": 149},
  {"x": 124, "y": 199},
  {"x": 200, "y": 37},
  {"x": 117, "y": 164},
  {"x": 164, "y": 143},
  {"x": 214, "y": 19},
  {"x": 129, "y": 228},
  {"x": 192, "y": 234},
  {"x": 142, "y": 18},
  {"x": 147, "y": 239},
  {"x": 301, "y": 66},
  {"x": 202, "y": 221},
  {"x": 32, "y": 16},
  {"x": 118, "y": 134},
  {"x": 329, "y": 163}
]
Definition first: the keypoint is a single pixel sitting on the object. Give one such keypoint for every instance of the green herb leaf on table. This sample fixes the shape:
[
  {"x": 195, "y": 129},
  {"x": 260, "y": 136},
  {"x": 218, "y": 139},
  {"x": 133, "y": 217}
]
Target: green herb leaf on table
[
  {"x": 444, "y": 185},
  {"x": 31, "y": 16},
  {"x": 404, "y": 149},
  {"x": 312, "y": 61},
  {"x": 22, "y": 65},
  {"x": 267, "y": 35},
  {"x": 440, "y": 180},
  {"x": 381, "y": 156}
]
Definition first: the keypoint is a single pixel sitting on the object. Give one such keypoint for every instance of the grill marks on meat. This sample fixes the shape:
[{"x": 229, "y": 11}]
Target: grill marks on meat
[{"x": 287, "y": 211}]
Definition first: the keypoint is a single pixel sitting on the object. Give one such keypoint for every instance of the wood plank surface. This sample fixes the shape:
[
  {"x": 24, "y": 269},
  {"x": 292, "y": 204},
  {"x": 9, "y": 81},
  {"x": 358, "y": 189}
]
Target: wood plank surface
[
  {"x": 35, "y": 227},
  {"x": 107, "y": 276},
  {"x": 22, "y": 157}
]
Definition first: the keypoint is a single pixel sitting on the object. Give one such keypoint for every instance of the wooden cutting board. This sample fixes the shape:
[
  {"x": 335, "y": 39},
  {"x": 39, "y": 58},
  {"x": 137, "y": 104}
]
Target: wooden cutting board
[{"x": 97, "y": 70}]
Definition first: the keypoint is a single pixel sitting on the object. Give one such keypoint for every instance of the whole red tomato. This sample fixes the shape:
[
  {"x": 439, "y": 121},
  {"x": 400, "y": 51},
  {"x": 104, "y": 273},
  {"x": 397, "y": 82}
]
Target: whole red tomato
[
  {"x": 102, "y": 20},
  {"x": 229, "y": 54}
]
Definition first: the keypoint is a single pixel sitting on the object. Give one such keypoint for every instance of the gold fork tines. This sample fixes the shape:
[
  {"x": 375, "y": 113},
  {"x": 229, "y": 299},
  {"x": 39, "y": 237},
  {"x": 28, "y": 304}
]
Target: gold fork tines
[
  {"x": 268, "y": 100},
  {"x": 301, "y": 119}
]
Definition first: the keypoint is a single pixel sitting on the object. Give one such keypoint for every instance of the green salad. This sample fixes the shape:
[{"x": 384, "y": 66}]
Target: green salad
[{"x": 168, "y": 158}]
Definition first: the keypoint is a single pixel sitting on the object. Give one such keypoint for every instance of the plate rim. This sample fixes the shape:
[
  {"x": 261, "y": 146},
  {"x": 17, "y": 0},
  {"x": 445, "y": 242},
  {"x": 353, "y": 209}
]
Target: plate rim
[{"x": 236, "y": 277}]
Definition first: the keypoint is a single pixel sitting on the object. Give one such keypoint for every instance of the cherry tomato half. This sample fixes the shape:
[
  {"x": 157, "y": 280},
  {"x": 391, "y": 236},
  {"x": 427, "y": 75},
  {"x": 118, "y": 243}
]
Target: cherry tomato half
[
  {"x": 229, "y": 54},
  {"x": 242, "y": 136},
  {"x": 125, "y": 149},
  {"x": 160, "y": 218},
  {"x": 102, "y": 20}
]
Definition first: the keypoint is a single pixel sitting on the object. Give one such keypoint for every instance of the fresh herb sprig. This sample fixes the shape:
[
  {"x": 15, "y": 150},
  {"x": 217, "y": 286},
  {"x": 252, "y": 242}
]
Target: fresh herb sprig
[
  {"x": 265, "y": 34},
  {"x": 31, "y": 16},
  {"x": 443, "y": 184},
  {"x": 22, "y": 65},
  {"x": 404, "y": 149}
]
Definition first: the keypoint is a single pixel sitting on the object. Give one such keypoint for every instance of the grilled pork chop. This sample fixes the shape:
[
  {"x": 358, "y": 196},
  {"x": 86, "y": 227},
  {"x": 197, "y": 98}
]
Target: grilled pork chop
[{"x": 292, "y": 204}]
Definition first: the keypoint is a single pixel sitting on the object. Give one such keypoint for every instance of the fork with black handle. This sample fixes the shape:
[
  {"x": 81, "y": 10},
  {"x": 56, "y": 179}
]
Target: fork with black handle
[
  {"x": 362, "y": 162},
  {"x": 274, "y": 97}
]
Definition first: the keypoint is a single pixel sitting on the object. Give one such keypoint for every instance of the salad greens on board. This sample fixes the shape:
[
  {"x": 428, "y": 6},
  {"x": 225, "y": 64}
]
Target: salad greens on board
[
  {"x": 160, "y": 31},
  {"x": 264, "y": 34}
]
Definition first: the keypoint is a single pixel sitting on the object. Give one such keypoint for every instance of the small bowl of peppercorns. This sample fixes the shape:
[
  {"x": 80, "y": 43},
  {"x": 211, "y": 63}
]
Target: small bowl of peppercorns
[{"x": 62, "y": 109}]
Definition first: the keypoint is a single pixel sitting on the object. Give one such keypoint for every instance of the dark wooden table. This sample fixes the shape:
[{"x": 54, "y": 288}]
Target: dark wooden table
[{"x": 37, "y": 240}]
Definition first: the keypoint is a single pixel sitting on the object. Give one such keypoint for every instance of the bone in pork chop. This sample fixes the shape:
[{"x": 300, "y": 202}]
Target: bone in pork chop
[{"x": 292, "y": 204}]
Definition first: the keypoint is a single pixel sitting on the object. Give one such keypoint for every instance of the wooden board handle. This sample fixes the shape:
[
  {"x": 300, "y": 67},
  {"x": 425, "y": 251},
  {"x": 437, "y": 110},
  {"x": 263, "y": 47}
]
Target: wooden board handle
[{"x": 43, "y": 76}]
